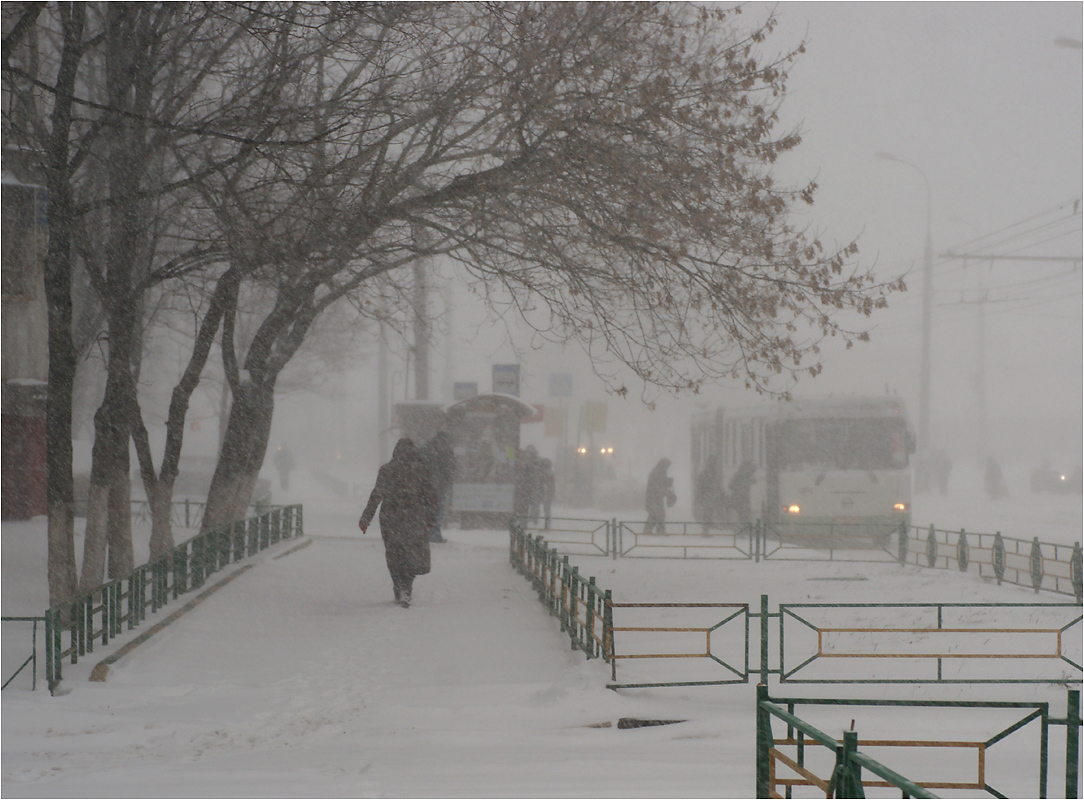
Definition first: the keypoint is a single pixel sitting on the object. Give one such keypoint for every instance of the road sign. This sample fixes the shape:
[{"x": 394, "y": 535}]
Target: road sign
[
  {"x": 560, "y": 384},
  {"x": 506, "y": 379}
]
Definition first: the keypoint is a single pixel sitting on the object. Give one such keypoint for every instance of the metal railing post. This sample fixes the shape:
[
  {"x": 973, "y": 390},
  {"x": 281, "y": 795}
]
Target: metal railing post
[
  {"x": 608, "y": 634},
  {"x": 764, "y": 639},
  {"x": 850, "y": 781},
  {"x": 1036, "y": 564},
  {"x": 1076, "y": 572},
  {"x": 997, "y": 556},
  {"x": 764, "y": 743},
  {"x": 1072, "y": 743}
]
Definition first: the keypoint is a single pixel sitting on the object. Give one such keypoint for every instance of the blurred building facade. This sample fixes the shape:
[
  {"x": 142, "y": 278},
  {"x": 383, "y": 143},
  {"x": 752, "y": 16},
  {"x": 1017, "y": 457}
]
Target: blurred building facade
[{"x": 24, "y": 339}]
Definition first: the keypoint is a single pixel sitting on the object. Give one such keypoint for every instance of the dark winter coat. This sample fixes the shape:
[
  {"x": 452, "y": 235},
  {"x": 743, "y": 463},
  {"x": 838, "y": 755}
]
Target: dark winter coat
[
  {"x": 440, "y": 458},
  {"x": 741, "y": 483},
  {"x": 408, "y": 509},
  {"x": 660, "y": 491}
]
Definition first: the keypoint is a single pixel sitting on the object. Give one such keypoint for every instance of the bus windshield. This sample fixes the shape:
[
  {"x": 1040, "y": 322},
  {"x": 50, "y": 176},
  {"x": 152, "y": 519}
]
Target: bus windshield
[{"x": 844, "y": 444}]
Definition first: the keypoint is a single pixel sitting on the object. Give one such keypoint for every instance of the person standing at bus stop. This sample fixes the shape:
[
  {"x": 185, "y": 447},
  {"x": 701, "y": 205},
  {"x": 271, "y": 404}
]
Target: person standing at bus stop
[
  {"x": 408, "y": 510},
  {"x": 740, "y": 486},
  {"x": 658, "y": 495},
  {"x": 440, "y": 457}
]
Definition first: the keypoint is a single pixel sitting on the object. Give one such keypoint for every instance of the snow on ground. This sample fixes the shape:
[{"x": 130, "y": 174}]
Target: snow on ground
[{"x": 302, "y": 678}]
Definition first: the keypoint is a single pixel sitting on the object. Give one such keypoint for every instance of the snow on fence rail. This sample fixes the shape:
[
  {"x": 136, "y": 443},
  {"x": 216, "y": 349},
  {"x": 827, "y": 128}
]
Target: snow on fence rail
[
  {"x": 1042, "y": 566},
  {"x": 105, "y": 612}
]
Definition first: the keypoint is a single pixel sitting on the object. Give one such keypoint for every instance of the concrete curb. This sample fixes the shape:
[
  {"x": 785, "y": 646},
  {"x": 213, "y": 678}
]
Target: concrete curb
[{"x": 101, "y": 669}]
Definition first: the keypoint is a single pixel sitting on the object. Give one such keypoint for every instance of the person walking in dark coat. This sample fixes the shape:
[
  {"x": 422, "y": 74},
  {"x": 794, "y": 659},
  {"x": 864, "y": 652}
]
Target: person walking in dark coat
[
  {"x": 549, "y": 489},
  {"x": 708, "y": 499},
  {"x": 408, "y": 509},
  {"x": 659, "y": 495},
  {"x": 741, "y": 485},
  {"x": 284, "y": 462},
  {"x": 440, "y": 458}
]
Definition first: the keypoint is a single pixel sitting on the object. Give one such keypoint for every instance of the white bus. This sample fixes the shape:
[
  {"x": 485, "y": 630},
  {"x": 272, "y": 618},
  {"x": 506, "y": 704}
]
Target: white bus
[{"x": 826, "y": 468}]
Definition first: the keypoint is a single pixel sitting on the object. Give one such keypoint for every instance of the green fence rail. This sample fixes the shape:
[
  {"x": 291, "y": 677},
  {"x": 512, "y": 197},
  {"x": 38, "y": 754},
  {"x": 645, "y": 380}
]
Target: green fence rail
[
  {"x": 845, "y": 779},
  {"x": 845, "y": 770},
  {"x": 1041, "y": 566},
  {"x": 100, "y": 615},
  {"x": 32, "y": 659},
  {"x": 1032, "y": 564},
  {"x": 185, "y": 513},
  {"x": 836, "y": 643},
  {"x": 587, "y": 614},
  {"x": 942, "y": 639},
  {"x": 582, "y": 608}
]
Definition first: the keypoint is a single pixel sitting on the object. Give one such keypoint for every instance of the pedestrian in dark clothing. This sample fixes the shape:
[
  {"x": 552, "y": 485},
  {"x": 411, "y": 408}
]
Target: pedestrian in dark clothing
[
  {"x": 284, "y": 462},
  {"x": 525, "y": 499},
  {"x": 994, "y": 480},
  {"x": 659, "y": 495},
  {"x": 708, "y": 498},
  {"x": 536, "y": 477},
  {"x": 941, "y": 465},
  {"x": 741, "y": 483},
  {"x": 440, "y": 458},
  {"x": 549, "y": 489},
  {"x": 408, "y": 509}
]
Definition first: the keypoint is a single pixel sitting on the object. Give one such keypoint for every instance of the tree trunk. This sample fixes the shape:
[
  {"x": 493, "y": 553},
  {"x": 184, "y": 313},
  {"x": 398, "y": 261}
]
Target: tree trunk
[
  {"x": 109, "y": 516},
  {"x": 121, "y": 553},
  {"x": 160, "y": 495},
  {"x": 62, "y": 575},
  {"x": 242, "y": 454},
  {"x": 95, "y": 539}
]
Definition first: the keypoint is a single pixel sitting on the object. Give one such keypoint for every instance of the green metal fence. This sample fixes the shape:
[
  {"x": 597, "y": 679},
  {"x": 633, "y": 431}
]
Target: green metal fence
[
  {"x": 786, "y": 762},
  {"x": 185, "y": 513},
  {"x": 32, "y": 659},
  {"x": 100, "y": 615},
  {"x": 961, "y": 643},
  {"x": 1042, "y": 566},
  {"x": 837, "y": 643},
  {"x": 582, "y": 608},
  {"x": 1032, "y": 564}
]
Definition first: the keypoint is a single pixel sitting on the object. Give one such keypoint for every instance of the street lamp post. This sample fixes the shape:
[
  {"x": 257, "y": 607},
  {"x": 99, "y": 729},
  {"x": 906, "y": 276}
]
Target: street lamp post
[{"x": 927, "y": 305}]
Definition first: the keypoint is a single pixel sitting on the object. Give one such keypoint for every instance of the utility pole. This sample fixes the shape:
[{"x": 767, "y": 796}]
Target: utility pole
[
  {"x": 449, "y": 341},
  {"x": 927, "y": 336},
  {"x": 421, "y": 333},
  {"x": 927, "y": 314},
  {"x": 382, "y": 421}
]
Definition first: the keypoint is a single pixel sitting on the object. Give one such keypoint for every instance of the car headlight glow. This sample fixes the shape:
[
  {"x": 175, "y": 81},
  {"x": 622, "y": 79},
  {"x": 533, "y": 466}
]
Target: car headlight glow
[{"x": 792, "y": 509}]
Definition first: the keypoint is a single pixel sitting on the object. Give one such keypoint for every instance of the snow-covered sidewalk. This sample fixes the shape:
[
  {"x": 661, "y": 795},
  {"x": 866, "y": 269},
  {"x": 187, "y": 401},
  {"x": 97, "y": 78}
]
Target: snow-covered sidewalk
[{"x": 302, "y": 678}]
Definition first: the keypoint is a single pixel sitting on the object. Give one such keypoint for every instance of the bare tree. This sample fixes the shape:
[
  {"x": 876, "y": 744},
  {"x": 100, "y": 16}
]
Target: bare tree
[
  {"x": 604, "y": 169},
  {"x": 608, "y": 165}
]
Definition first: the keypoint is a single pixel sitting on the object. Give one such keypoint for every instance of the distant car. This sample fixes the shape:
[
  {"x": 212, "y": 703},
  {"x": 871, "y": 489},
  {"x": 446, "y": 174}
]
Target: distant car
[{"x": 1046, "y": 480}]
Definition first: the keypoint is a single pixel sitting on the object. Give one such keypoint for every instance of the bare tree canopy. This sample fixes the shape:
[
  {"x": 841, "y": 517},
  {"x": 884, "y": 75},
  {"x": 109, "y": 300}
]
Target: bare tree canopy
[
  {"x": 608, "y": 165},
  {"x": 602, "y": 170}
]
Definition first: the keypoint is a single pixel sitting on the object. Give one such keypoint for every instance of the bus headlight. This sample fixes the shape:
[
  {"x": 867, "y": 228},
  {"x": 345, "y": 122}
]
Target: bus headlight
[
  {"x": 792, "y": 509},
  {"x": 900, "y": 506}
]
